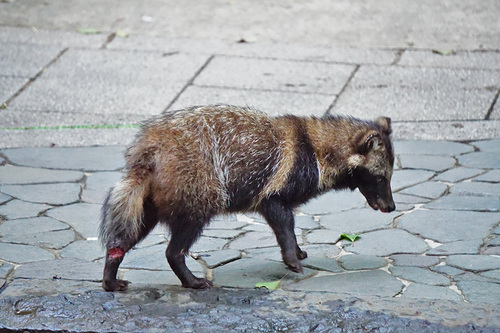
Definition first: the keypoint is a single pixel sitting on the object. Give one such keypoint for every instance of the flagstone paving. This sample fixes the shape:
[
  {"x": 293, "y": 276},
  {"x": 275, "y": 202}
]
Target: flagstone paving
[{"x": 439, "y": 244}]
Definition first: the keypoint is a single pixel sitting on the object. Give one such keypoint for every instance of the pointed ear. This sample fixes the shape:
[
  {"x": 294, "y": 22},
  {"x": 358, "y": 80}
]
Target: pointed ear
[
  {"x": 370, "y": 141},
  {"x": 384, "y": 123}
]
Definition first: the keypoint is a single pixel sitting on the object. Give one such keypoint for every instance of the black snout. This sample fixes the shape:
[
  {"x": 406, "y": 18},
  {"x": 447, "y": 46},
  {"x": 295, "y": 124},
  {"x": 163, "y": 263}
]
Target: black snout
[
  {"x": 378, "y": 194},
  {"x": 387, "y": 208}
]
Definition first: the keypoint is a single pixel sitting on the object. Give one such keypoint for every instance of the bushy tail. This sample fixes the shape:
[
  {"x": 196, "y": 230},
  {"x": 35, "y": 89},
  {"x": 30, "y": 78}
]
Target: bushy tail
[{"x": 122, "y": 212}]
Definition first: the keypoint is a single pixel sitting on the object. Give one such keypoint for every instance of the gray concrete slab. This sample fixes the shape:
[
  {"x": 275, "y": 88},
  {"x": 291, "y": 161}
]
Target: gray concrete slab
[
  {"x": 26, "y": 60},
  {"x": 413, "y": 260},
  {"x": 270, "y": 102},
  {"x": 415, "y": 94},
  {"x": 64, "y": 38},
  {"x": 466, "y": 203},
  {"x": 492, "y": 176},
  {"x": 356, "y": 221},
  {"x": 458, "y": 59},
  {"x": 17, "y": 209},
  {"x": 430, "y": 190},
  {"x": 284, "y": 75},
  {"x": 84, "y": 158},
  {"x": 387, "y": 242},
  {"x": 420, "y": 291},
  {"x": 82, "y": 217},
  {"x": 14, "y": 118},
  {"x": 348, "y": 55},
  {"x": 442, "y": 25},
  {"x": 415, "y": 104},
  {"x": 10, "y": 174},
  {"x": 8, "y": 87},
  {"x": 66, "y": 137},
  {"x": 55, "y": 194},
  {"x": 488, "y": 146},
  {"x": 427, "y": 162},
  {"x": 447, "y": 225},
  {"x": 424, "y": 78},
  {"x": 431, "y": 147},
  {"x": 358, "y": 262},
  {"x": 484, "y": 160},
  {"x": 372, "y": 282},
  {"x": 470, "y": 246},
  {"x": 102, "y": 81},
  {"x": 458, "y": 130},
  {"x": 21, "y": 254}
]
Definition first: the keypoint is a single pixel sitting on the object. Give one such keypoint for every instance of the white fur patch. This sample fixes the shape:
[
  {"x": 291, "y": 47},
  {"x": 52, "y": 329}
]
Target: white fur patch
[{"x": 355, "y": 160}]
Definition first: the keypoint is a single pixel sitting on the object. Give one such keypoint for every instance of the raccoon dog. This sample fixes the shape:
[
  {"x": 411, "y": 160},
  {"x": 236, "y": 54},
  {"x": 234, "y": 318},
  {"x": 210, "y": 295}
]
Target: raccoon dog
[{"x": 187, "y": 166}]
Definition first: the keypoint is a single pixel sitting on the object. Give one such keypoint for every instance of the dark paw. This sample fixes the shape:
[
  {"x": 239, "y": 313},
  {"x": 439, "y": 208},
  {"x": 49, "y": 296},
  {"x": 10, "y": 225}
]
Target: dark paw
[
  {"x": 294, "y": 265},
  {"x": 115, "y": 285},
  {"x": 301, "y": 254},
  {"x": 198, "y": 283}
]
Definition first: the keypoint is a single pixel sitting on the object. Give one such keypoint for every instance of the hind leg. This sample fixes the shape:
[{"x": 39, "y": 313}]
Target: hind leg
[
  {"x": 183, "y": 235},
  {"x": 281, "y": 220},
  {"x": 117, "y": 247}
]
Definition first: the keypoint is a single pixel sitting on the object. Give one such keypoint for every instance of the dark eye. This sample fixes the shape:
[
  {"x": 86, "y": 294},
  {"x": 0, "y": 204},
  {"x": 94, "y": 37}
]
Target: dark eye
[{"x": 380, "y": 179}]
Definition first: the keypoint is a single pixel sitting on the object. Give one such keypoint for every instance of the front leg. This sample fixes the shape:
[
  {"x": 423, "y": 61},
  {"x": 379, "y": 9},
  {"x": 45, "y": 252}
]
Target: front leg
[{"x": 281, "y": 220}]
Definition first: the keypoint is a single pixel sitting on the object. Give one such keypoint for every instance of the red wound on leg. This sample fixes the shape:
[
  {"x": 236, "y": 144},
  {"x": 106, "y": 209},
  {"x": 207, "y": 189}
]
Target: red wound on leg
[{"x": 116, "y": 253}]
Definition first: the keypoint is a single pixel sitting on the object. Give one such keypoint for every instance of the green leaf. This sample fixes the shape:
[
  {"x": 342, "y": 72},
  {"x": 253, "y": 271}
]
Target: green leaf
[
  {"x": 268, "y": 285},
  {"x": 89, "y": 31},
  {"x": 350, "y": 237},
  {"x": 443, "y": 52}
]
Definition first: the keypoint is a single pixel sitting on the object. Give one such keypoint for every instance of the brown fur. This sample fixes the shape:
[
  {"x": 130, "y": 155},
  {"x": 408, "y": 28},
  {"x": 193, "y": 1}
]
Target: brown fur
[{"x": 189, "y": 165}]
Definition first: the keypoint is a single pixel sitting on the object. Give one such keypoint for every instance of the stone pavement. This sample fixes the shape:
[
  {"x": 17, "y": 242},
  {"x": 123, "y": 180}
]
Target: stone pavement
[
  {"x": 71, "y": 102},
  {"x": 441, "y": 245}
]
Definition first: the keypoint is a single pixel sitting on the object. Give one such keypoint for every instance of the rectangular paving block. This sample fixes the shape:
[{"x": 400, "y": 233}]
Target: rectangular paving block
[
  {"x": 63, "y": 38},
  {"x": 22, "y": 119},
  {"x": 349, "y": 55},
  {"x": 457, "y": 59},
  {"x": 26, "y": 59},
  {"x": 270, "y": 102},
  {"x": 446, "y": 130},
  {"x": 282, "y": 75},
  {"x": 413, "y": 103},
  {"x": 67, "y": 137},
  {"x": 408, "y": 93},
  {"x": 8, "y": 87},
  {"x": 103, "y": 81},
  {"x": 425, "y": 78},
  {"x": 495, "y": 114}
]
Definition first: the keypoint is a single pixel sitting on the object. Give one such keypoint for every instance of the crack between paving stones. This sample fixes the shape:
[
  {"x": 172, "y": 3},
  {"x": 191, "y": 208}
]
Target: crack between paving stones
[
  {"x": 332, "y": 105},
  {"x": 405, "y": 283},
  {"x": 398, "y": 56},
  {"x": 189, "y": 83},
  {"x": 490, "y": 110},
  {"x": 37, "y": 75}
]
